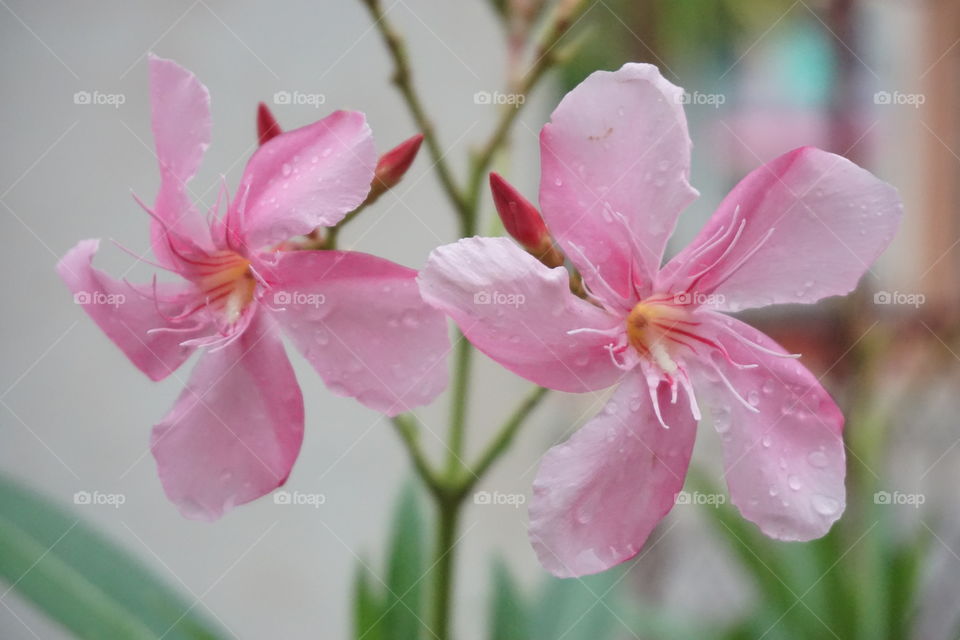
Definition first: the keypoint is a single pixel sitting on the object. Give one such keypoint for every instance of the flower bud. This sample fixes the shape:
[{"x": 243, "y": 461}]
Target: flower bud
[
  {"x": 267, "y": 126},
  {"x": 392, "y": 165},
  {"x": 522, "y": 220}
]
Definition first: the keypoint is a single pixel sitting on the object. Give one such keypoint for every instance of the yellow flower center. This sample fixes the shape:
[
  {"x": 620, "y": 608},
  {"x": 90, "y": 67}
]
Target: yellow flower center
[{"x": 656, "y": 327}]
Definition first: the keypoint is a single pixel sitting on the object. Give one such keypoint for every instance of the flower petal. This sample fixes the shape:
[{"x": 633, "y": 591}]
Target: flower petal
[
  {"x": 519, "y": 313},
  {"x": 785, "y": 463},
  {"x": 128, "y": 313},
  {"x": 598, "y": 496},
  {"x": 615, "y": 161},
  {"x": 362, "y": 324},
  {"x": 235, "y": 430},
  {"x": 813, "y": 223},
  {"x": 306, "y": 178},
  {"x": 180, "y": 107}
]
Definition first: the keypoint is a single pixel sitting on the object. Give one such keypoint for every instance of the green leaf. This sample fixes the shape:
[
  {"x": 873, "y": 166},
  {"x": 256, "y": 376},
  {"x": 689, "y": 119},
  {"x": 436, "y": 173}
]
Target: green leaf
[
  {"x": 578, "y": 608},
  {"x": 84, "y": 581},
  {"x": 368, "y": 606},
  {"x": 508, "y": 612},
  {"x": 406, "y": 569}
]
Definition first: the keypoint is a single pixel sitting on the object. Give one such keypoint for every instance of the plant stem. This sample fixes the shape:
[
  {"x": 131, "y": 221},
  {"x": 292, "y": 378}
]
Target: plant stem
[
  {"x": 402, "y": 78},
  {"x": 406, "y": 427},
  {"x": 504, "y": 437},
  {"x": 448, "y": 514},
  {"x": 458, "y": 405}
]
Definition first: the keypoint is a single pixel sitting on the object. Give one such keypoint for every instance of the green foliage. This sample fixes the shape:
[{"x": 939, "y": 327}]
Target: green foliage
[
  {"x": 84, "y": 581},
  {"x": 394, "y": 609}
]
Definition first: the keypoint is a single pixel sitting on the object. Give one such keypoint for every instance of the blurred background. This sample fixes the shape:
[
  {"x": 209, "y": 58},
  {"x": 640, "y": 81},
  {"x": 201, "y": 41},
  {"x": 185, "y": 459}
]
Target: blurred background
[{"x": 878, "y": 82}]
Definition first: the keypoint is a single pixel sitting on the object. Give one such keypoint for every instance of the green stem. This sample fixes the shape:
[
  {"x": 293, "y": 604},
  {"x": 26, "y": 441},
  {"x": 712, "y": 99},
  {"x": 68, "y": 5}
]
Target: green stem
[
  {"x": 402, "y": 78},
  {"x": 546, "y": 56},
  {"x": 504, "y": 437},
  {"x": 458, "y": 406},
  {"x": 406, "y": 428},
  {"x": 448, "y": 514}
]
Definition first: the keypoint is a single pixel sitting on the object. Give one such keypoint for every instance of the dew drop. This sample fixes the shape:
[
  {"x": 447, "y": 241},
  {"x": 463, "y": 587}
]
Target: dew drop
[
  {"x": 286, "y": 169},
  {"x": 794, "y": 483},
  {"x": 817, "y": 459},
  {"x": 824, "y": 505},
  {"x": 753, "y": 398}
]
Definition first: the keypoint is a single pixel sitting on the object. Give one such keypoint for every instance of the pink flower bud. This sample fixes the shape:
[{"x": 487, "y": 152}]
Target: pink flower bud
[
  {"x": 267, "y": 126},
  {"x": 520, "y": 217},
  {"x": 522, "y": 220},
  {"x": 394, "y": 164}
]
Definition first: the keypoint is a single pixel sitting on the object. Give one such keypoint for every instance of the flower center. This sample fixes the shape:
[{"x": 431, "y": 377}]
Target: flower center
[
  {"x": 657, "y": 326},
  {"x": 226, "y": 283}
]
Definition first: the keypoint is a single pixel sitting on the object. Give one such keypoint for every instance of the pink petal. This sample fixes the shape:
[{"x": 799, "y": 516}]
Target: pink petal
[
  {"x": 814, "y": 223},
  {"x": 615, "y": 163},
  {"x": 235, "y": 430},
  {"x": 180, "y": 106},
  {"x": 598, "y": 496},
  {"x": 306, "y": 178},
  {"x": 362, "y": 324},
  {"x": 127, "y": 313},
  {"x": 784, "y": 463},
  {"x": 519, "y": 313}
]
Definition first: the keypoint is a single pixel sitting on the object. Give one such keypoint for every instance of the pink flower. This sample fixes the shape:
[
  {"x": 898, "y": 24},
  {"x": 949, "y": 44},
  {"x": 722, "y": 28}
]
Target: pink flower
[
  {"x": 614, "y": 177},
  {"x": 236, "y": 429}
]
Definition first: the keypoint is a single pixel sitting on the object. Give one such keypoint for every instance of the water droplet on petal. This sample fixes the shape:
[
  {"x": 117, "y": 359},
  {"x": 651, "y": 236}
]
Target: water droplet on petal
[
  {"x": 794, "y": 483},
  {"x": 824, "y": 505},
  {"x": 818, "y": 459}
]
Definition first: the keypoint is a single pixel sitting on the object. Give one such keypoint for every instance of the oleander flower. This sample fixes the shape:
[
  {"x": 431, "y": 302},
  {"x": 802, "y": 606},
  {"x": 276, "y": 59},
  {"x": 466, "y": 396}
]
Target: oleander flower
[
  {"x": 236, "y": 429},
  {"x": 615, "y": 163}
]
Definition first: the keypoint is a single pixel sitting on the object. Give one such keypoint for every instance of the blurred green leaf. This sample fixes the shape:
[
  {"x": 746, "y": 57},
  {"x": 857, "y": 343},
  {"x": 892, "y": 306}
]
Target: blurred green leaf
[
  {"x": 578, "y": 608},
  {"x": 508, "y": 612},
  {"x": 406, "y": 569},
  {"x": 368, "y": 606},
  {"x": 82, "y": 580}
]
